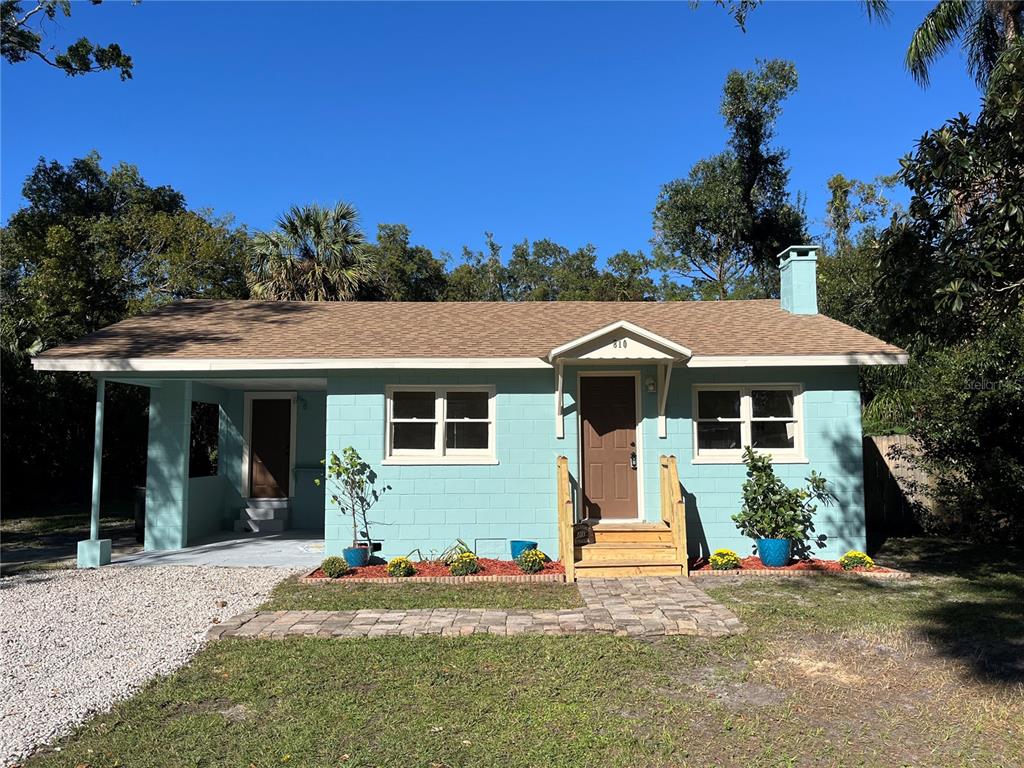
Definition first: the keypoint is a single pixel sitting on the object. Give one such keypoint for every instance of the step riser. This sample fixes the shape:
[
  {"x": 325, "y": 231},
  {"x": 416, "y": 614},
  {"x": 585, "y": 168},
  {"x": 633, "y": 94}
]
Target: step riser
[
  {"x": 627, "y": 572},
  {"x": 627, "y": 554},
  {"x": 265, "y": 513},
  {"x": 260, "y": 526},
  {"x": 633, "y": 537},
  {"x": 268, "y": 503}
]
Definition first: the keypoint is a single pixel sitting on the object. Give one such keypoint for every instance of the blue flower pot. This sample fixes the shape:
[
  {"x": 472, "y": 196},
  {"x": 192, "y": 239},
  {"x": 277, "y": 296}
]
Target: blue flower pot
[
  {"x": 356, "y": 557},
  {"x": 518, "y": 547},
  {"x": 774, "y": 552}
]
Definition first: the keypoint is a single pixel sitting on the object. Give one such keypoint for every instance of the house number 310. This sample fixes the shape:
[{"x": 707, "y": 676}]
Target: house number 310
[{"x": 619, "y": 344}]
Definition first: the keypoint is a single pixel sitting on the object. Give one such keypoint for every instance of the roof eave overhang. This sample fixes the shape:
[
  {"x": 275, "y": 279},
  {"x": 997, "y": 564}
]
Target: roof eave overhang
[
  {"x": 787, "y": 361},
  {"x": 156, "y": 365},
  {"x": 204, "y": 365}
]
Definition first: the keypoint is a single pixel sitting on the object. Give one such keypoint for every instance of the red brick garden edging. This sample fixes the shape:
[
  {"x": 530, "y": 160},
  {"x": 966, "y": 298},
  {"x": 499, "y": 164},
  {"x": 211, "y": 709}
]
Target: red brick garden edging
[
  {"x": 527, "y": 578},
  {"x": 781, "y": 573},
  {"x": 558, "y": 578}
]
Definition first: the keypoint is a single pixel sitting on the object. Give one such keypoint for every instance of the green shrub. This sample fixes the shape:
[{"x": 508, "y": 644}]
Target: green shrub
[
  {"x": 771, "y": 509},
  {"x": 531, "y": 561},
  {"x": 334, "y": 567},
  {"x": 464, "y": 564},
  {"x": 854, "y": 559},
  {"x": 724, "y": 560},
  {"x": 400, "y": 566}
]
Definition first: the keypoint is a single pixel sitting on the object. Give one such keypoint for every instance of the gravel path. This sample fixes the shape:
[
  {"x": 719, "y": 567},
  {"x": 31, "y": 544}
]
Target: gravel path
[{"x": 74, "y": 642}]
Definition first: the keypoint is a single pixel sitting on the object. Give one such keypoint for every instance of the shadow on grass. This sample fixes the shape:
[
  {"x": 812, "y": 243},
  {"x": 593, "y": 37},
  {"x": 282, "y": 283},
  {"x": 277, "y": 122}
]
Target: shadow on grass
[{"x": 975, "y": 608}]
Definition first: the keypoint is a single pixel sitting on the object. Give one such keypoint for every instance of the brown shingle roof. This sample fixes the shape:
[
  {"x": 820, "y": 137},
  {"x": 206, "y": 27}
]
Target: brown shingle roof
[{"x": 264, "y": 329}]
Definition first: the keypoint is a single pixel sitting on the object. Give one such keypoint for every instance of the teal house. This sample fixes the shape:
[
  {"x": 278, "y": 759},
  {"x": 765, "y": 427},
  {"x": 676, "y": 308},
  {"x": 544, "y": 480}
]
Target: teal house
[{"x": 583, "y": 426}]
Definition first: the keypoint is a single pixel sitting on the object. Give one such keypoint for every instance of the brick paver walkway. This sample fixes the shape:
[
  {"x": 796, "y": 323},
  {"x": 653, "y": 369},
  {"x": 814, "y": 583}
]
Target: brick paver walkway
[{"x": 635, "y": 607}]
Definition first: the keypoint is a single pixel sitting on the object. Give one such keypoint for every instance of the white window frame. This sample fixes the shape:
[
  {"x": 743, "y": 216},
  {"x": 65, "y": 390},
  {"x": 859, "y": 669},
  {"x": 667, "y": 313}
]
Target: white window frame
[
  {"x": 440, "y": 454},
  {"x": 794, "y": 455}
]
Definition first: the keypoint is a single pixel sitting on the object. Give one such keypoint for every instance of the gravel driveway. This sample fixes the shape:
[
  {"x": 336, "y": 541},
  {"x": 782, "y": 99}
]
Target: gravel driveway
[{"x": 74, "y": 642}]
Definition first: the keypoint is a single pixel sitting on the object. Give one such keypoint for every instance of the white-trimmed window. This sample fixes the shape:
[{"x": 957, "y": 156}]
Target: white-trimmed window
[
  {"x": 767, "y": 417},
  {"x": 440, "y": 425}
]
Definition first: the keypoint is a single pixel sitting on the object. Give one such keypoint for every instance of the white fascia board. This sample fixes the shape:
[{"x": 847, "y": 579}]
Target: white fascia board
[
  {"x": 125, "y": 365},
  {"x": 149, "y": 365},
  {"x": 776, "y": 361},
  {"x": 621, "y": 325}
]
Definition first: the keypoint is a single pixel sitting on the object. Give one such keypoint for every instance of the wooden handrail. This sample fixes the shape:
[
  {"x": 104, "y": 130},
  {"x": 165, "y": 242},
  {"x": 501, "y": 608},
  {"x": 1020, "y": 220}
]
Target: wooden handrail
[
  {"x": 673, "y": 507},
  {"x": 566, "y": 549}
]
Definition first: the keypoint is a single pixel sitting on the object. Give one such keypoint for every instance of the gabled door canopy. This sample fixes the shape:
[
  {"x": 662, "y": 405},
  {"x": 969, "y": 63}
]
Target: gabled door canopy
[{"x": 620, "y": 342}]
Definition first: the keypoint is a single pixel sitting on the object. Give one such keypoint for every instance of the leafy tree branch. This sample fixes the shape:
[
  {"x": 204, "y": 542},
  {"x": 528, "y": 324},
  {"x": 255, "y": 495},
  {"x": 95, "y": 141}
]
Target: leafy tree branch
[{"x": 22, "y": 37}]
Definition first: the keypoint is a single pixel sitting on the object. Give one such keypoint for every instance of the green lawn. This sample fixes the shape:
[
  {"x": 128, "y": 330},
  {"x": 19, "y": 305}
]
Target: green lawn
[
  {"x": 290, "y": 595},
  {"x": 832, "y": 672}
]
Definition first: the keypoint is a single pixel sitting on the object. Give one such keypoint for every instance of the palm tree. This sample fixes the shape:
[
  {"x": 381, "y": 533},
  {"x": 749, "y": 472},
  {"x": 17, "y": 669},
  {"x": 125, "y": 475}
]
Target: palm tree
[
  {"x": 985, "y": 28},
  {"x": 315, "y": 254}
]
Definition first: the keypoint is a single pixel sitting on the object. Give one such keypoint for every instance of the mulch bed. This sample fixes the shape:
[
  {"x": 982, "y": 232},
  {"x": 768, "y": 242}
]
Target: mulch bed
[
  {"x": 433, "y": 571},
  {"x": 752, "y": 566}
]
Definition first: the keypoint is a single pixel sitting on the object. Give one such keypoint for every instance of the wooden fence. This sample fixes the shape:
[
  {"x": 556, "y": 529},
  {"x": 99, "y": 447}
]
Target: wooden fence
[{"x": 892, "y": 487}]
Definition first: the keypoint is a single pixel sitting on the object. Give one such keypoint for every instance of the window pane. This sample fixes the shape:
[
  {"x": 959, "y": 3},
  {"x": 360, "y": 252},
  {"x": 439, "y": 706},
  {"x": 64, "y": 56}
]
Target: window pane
[
  {"x": 773, "y": 434},
  {"x": 712, "y": 436},
  {"x": 412, "y": 436},
  {"x": 715, "y": 404},
  {"x": 466, "y": 435},
  {"x": 467, "y": 405},
  {"x": 772, "y": 402},
  {"x": 413, "y": 405}
]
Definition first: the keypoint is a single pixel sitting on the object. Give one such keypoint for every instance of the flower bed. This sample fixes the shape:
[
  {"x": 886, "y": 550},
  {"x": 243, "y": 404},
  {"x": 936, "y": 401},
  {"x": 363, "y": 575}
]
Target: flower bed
[
  {"x": 432, "y": 571},
  {"x": 752, "y": 566}
]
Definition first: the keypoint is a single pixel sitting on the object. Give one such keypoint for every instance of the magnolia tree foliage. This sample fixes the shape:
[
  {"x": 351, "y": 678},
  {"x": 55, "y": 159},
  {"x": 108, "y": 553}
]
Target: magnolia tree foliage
[
  {"x": 951, "y": 265},
  {"x": 951, "y": 288},
  {"x": 773, "y": 510},
  {"x": 967, "y": 416}
]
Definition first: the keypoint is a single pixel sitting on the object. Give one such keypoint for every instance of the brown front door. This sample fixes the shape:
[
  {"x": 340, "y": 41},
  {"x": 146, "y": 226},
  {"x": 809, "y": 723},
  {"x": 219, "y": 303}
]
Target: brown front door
[
  {"x": 608, "y": 415},
  {"x": 270, "y": 448}
]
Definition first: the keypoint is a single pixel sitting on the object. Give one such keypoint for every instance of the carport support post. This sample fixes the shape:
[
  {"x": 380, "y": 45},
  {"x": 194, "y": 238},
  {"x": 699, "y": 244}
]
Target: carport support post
[{"x": 94, "y": 551}]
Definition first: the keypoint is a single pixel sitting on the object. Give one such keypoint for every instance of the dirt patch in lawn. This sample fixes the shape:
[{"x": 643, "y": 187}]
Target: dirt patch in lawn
[{"x": 727, "y": 682}]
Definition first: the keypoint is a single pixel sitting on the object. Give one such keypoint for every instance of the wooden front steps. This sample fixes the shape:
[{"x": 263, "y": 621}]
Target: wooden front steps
[
  {"x": 609, "y": 550},
  {"x": 626, "y": 550},
  {"x": 631, "y": 533},
  {"x": 626, "y": 570}
]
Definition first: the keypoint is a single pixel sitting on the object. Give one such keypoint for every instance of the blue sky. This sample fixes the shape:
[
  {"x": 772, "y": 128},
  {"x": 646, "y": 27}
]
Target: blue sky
[{"x": 526, "y": 120}]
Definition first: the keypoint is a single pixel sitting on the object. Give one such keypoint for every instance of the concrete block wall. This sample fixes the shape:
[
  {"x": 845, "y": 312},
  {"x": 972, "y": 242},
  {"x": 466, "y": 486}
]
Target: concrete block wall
[
  {"x": 429, "y": 506},
  {"x": 832, "y": 436},
  {"x": 206, "y": 506},
  {"x": 167, "y": 486}
]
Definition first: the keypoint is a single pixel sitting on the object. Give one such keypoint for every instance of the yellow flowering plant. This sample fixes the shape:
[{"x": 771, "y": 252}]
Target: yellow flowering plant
[
  {"x": 400, "y": 566},
  {"x": 464, "y": 565},
  {"x": 531, "y": 561},
  {"x": 724, "y": 560},
  {"x": 856, "y": 559}
]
